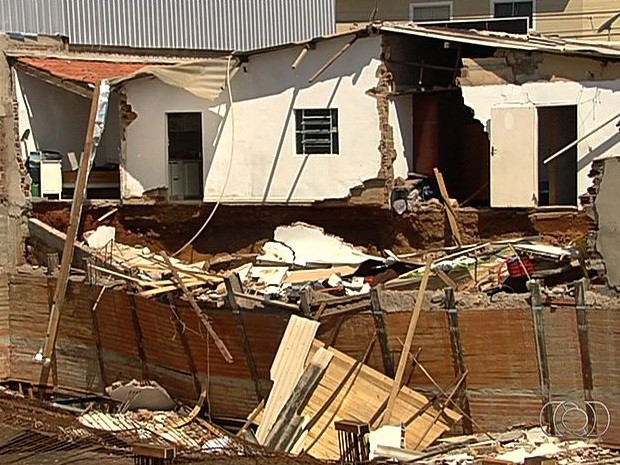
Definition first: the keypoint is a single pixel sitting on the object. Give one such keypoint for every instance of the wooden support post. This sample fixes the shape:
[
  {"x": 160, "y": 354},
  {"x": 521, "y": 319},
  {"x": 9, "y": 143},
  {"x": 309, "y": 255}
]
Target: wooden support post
[
  {"x": 541, "y": 345},
  {"x": 203, "y": 318},
  {"x": 97, "y": 335},
  {"x": 138, "y": 332},
  {"x": 584, "y": 349},
  {"x": 101, "y": 90},
  {"x": 234, "y": 285},
  {"x": 180, "y": 329},
  {"x": 457, "y": 355},
  {"x": 304, "y": 302},
  {"x": 377, "y": 314},
  {"x": 402, "y": 363},
  {"x": 450, "y": 213}
]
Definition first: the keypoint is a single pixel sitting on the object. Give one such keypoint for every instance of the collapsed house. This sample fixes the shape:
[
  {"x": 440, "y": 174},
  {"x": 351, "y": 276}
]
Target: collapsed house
[
  {"x": 400, "y": 118},
  {"x": 424, "y": 98}
]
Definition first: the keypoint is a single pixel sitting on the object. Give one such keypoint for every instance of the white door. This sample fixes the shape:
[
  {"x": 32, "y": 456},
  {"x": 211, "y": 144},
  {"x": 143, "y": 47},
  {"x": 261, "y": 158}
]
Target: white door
[{"x": 514, "y": 156}]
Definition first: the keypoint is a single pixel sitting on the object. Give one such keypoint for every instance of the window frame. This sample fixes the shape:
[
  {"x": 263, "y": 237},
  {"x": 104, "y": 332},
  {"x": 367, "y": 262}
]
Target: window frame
[
  {"x": 334, "y": 141},
  {"x": 413, "y": 5},
  {"x": 532, "y": 25}
]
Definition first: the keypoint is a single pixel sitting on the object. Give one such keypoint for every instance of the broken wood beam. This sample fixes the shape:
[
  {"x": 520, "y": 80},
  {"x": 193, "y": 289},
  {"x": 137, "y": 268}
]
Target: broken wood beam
[
  {"x": 331, "y": 61},
  {"x": 377, "y": 315},
  {"x": 257, "y": 410},
  {"x": 451, "y": 214},
  {"x": 402, "y": 362},
  {"x": 98, "y": 109},
  {"x": 203, "y": 318}
]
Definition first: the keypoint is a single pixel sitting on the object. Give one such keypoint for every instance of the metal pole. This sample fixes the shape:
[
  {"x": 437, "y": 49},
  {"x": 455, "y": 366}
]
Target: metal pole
[{"x": 572, "y": 144}]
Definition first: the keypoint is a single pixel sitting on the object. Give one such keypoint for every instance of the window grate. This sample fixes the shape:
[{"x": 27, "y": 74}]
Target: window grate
[{"x": 316, "y": 131}]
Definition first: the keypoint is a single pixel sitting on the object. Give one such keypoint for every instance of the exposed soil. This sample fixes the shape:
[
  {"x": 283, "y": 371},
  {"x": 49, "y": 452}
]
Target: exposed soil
[{"x": 243, "y": 229}]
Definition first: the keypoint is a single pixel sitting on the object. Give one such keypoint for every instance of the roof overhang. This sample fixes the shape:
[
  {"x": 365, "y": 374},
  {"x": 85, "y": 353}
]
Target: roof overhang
[{"x": 530, "y": 42}]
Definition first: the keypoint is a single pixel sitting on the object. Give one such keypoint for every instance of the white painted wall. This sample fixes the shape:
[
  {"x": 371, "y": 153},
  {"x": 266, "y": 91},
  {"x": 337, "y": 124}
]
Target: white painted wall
[
  {"x": 596, "y": 102},
  {"x": 263, "y": 164},
  {"x": 58, "y": 120}
]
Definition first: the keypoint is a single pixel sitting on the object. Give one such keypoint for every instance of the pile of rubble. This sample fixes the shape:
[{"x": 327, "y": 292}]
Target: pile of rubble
[{"x": 532, "y": 446}]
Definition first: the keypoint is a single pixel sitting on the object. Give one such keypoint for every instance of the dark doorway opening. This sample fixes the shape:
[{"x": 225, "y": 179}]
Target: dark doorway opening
[
  {"x": 185, "y": 150},
  {"x": 557, "y": 180}
]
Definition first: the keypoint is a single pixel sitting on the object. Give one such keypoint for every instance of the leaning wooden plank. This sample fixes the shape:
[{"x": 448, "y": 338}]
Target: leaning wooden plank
[
  {"x": 205, "y": 321},
  {"x": 304, "y": 388},
  {"x": 402, "y": 362},
  {"x": 454, "y": 226},
  {"x": 96, "y": 121},
  {"x": 286, "y": 369}
]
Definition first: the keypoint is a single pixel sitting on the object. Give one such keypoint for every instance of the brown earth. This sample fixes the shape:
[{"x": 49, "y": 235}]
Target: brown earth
[{"x": 243, "y": 229}]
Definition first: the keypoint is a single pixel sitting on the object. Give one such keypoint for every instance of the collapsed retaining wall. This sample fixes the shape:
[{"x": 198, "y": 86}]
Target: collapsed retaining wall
[{"x": 131, "y": 337}]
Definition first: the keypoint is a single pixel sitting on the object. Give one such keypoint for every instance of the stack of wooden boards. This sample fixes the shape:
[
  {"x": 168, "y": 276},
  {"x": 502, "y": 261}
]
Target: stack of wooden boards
[{"x": 314, "y": 386}]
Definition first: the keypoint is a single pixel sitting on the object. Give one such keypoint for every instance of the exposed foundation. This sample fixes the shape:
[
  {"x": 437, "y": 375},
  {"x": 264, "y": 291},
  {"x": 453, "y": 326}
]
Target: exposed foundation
[{"x": 242, "y": 229}]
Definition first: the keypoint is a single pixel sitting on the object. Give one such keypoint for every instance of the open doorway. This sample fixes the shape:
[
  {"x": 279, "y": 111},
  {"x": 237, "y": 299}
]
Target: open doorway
[
  {"x": 557, "y": 180},
  {"x": 185, "y": 150}
]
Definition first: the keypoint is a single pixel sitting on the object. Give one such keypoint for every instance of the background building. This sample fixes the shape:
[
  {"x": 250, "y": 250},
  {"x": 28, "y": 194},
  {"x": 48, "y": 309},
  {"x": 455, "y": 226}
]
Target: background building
[{"x": 566, "y": 18}]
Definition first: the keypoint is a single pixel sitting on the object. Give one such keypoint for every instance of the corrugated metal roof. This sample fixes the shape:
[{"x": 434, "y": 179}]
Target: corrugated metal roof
[
  {"x": 504, "y": 40},
  {"x": 172, "y": 24}
]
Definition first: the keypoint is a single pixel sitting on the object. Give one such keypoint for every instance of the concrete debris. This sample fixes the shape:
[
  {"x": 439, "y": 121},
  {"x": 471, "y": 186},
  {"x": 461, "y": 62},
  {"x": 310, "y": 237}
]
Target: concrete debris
[
  {"x": 311, "y": 246},
  {"x": 526, "y": 448},
  {"x": 136, "y": 395},
  {"x": 101, "y": 237}
]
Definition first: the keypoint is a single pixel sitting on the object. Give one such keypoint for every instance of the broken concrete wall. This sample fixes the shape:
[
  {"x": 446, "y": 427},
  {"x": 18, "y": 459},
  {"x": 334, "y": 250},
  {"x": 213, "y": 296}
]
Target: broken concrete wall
[
  {"x": 265, "y": 166},
  {"x": 14, "y": 181},
  {"x": 596, "y": 103},
  {"x": 128, "y": 338}
]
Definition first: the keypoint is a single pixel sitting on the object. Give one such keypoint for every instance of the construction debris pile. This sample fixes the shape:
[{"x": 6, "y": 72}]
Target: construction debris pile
[
  {"x": 111, "y": 431},
  {"x": 304, "y": 268},
  {"x": 531, "y": 446}
]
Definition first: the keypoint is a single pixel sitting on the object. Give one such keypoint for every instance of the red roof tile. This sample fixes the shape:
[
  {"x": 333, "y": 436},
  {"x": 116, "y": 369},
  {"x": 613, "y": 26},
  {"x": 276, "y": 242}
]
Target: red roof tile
[{"x": 81, "y": 70}]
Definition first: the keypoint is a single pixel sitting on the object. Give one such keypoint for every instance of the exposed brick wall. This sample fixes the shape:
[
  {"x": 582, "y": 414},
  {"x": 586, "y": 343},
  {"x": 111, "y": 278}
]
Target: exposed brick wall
[
  {"x": 381, "y": 92},
  {"x": 587, "y": 201}
]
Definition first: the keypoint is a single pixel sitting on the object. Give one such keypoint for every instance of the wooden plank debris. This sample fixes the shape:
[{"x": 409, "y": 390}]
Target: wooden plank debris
[
  {"x": 452, "y": 220},
  {"x": 203, "y": 318},
  {"x": 286, "y": 369},
  {"x": 402, "y": 362},
  {"x": 348, "y": 389}
]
